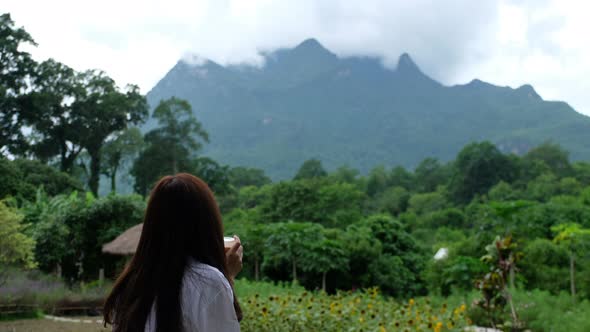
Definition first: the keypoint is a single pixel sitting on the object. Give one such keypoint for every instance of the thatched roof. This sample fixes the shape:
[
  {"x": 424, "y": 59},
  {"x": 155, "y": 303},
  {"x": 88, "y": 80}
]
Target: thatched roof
[{"x": 124, "y": 244}]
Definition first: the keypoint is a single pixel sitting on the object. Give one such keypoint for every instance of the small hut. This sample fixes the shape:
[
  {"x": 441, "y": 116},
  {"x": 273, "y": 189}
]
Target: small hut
[{"x": 126, "y": 243}]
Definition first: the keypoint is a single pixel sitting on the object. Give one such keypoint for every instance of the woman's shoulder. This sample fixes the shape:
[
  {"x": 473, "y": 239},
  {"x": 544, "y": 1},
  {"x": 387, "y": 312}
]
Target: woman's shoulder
[{"x": 202, "y": 277}]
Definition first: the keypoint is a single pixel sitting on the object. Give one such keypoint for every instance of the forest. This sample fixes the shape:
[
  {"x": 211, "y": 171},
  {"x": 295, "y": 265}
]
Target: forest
[{"x": 503, "y": 238}]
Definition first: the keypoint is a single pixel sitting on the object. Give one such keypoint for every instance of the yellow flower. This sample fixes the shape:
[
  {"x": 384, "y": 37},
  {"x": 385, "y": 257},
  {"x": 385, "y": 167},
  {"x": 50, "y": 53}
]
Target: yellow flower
[
  {"x": 412, "y": 302},
  {"x": 382, "y": 329},
  {"x": 369, "y": 306},
  {"x": 438, "y": 327},
  {"x": 463, "y": 307}
]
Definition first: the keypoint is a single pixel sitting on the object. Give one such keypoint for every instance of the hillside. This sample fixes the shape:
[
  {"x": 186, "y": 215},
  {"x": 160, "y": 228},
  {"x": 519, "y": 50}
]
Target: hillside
[{"x": 306, "y": 102}]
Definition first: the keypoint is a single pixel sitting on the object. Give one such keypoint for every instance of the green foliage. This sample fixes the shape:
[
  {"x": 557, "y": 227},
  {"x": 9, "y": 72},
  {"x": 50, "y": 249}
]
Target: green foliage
[
  {"x": 16, "y": 67},
  {"x": 544, "y": 312},
  {"x": 450, "y": 217},
  {"x": 290, "y": 243},
  {"x": 331, "y": 204},
  {"x": 21, "y": 178},
  {"x": 16, "y": 248},
  {"x": 244, "y": 176},
  {"x": 553, "y": 155},
  {"x": 120, "y": 150},
  {"x": 401, "y": 259},
  {"x": 172, "y": 146},
  {"x": 501, "y": 257},
  {"x": 503, "y": 192},
  {"x": 478, "y": 167},
  {"x": 544, "y": 266},
  {"x": 430, "y": 174},
  {"x": 310, "y": 169},
  {"x": 393, "y": 201},
  {"x": 428, "y": 202},
  {"x": 46, "y": 215}
]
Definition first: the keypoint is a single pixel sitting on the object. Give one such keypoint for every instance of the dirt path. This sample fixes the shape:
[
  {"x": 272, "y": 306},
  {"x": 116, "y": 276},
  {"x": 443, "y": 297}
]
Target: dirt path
[{"x": 53, "y": 324}]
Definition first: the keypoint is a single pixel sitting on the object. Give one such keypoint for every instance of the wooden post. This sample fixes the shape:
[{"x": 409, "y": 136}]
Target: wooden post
[{"x": 101, "y": 276}]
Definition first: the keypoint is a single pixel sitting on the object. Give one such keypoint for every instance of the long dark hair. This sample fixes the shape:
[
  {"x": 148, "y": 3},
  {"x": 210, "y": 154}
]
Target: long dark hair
[{"x": 182, "y": 221}]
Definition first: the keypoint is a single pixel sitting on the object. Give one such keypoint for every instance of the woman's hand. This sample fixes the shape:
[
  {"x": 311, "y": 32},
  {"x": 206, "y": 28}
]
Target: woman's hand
[{"x": 233, "y": 258}]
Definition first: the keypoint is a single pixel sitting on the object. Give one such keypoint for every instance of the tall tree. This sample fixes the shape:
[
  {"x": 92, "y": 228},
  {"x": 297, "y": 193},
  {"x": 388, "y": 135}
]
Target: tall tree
[
  {"x": 125, "y": 146},
  {"x": 47, "y": 109},
  {"x": 16, "y": 67},
  {"x": 172, "y": 146},
  {"x": 103, "y": 110}
]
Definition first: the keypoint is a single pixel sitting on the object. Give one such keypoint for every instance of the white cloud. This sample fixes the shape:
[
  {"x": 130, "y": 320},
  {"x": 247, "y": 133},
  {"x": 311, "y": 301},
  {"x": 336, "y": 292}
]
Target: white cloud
[{"x": 505, "y": 42}]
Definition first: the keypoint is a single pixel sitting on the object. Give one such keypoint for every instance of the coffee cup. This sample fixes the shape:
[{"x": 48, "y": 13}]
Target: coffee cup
[{"x": 228, "y": 242}]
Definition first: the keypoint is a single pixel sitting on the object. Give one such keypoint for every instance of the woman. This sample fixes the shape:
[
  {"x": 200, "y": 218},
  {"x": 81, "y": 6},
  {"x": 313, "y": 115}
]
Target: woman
[{"x": 180, "y": 278}]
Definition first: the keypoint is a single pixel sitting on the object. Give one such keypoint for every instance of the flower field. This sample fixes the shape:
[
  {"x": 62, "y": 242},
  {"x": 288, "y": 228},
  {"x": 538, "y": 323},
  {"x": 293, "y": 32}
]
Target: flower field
[{"x": 351, "y": 311}]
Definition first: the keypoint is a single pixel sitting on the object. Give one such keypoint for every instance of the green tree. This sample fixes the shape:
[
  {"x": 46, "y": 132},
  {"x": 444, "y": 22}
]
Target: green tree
[
  {"x": 399, "y": 176},
  {"x": 92, "y": 223},
  {"x": 544, "y": 264},
  {"x": 378, "y": 181},
  {"x": 171, "y": 147},
  {"x": 310, "y": 169},
  {"x": 430, "y": 174},
  {"x": 214, "y": 174},
  {"x": 16, "y": 68},
  {"x": 103, "y": 110},
  {"x": 244, "y": 176},
  {"x": 290, "y": 242},
  {"x": 120, "y": 150},
  {"x": 46, "y": 215},
  {"x": 502, "y": 191},
  {"x": 577, "y": 241},
  {"x": 478, "y": 167},
  {"x": 428, "y": 202},
  {"x": 325, "y": 256},
  {"x": 581, "y": 171},
  {"x": 16, "y": 248},
  {"x": 401, "y": 260},
  {"x": 554, "y": 156},
  {"x": 293, "y": 200},
  {"x": 48, "y": 109},
  {"x": 21, "y": 178},
  {"x": 361, "y": 244},
  {"x": 345, "y": 174},
  {"x": 393, "y": 201}
]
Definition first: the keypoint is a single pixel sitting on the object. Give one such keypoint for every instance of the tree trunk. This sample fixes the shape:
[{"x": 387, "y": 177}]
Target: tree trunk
[
  {"x": 94, "y": 172},
  {"x": 256, "y": 270},
  {"x": 515, "y": 321},
  {"x": 572, "y": 275},
  {"x": 114, "y": 180},
  {"x": 294, "y": 272},
  {"x": 324, "y": 280}
]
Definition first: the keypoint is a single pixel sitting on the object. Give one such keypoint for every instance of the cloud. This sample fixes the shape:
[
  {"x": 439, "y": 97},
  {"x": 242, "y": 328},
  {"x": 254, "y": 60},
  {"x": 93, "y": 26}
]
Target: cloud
[{"x": 506, "y": 42}]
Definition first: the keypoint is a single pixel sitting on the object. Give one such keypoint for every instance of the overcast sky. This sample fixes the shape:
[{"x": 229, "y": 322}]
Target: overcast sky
[{"x": 506, "y": 42}]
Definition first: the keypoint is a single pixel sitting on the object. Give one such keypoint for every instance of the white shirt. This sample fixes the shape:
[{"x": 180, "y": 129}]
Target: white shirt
[{"x": 206, "y": 302}]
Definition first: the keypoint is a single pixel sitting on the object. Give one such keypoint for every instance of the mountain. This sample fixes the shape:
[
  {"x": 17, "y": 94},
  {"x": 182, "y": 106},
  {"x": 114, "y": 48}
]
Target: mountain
[{"x": 306, "y": 102}]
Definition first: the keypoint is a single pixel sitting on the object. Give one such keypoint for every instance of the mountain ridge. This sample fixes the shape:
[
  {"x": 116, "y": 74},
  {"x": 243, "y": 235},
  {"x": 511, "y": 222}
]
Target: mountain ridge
[{"x": 306, "y": 102}]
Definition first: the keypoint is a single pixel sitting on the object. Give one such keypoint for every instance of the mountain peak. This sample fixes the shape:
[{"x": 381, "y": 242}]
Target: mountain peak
[
  {"x": 311, "y": 47},
  {"x": 310, "y": 44},
  {"x": 406, "y": 64}
]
